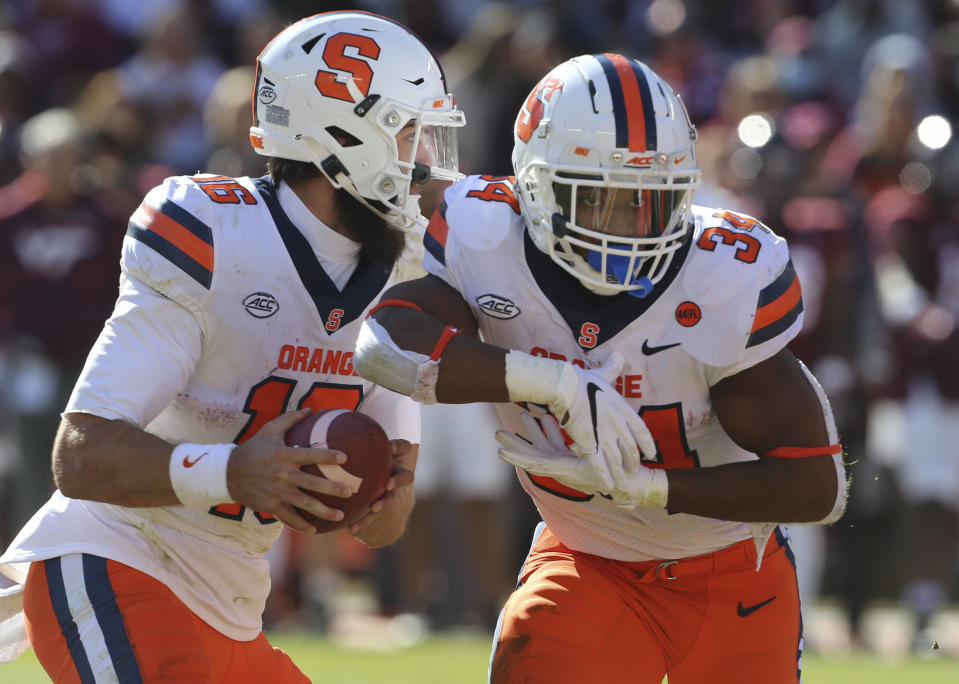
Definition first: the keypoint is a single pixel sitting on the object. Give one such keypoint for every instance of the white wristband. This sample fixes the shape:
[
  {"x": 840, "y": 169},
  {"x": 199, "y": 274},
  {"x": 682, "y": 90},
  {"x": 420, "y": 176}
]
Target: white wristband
[
  {"x": 532, "y": 378},
  {"x": 648, "y": 488},
  {"x": 198, "y": 474},
  {"x": 657, "y": 492}
]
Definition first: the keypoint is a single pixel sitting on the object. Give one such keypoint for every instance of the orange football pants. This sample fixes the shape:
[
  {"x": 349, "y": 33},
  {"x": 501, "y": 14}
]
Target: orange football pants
[
  {"x": 89, "y": 617},
  {"x": 713, "y": 619}
]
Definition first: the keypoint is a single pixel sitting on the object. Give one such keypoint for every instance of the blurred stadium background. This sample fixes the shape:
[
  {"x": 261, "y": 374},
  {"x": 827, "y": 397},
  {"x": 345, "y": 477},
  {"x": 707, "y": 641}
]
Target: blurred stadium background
[{"x": 830, "y": 120}]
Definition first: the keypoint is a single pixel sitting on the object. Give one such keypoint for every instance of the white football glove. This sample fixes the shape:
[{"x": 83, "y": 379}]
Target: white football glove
[
  {"x": 548, "y": 455},
  {"x": 605, "y": 429}
]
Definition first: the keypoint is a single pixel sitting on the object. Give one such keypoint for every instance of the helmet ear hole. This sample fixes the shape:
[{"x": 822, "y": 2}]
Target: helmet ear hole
[{"x": 344, "y": 138}]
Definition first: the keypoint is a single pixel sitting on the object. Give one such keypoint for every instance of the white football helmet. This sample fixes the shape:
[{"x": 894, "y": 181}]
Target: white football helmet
[
  {"x": 336, "y": 88},
  {"x": 605, "y": 171}
]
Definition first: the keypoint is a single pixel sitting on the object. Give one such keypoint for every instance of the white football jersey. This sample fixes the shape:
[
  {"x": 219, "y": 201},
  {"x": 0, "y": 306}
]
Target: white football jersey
[
  {"x": 729, "y": 300},
  {"x": 258, "y": 327}
]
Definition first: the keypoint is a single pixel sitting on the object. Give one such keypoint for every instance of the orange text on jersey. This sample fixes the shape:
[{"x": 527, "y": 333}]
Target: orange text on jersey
[
  {"x": 628, "y": 385},
  {"x": 315, "y": 360}
]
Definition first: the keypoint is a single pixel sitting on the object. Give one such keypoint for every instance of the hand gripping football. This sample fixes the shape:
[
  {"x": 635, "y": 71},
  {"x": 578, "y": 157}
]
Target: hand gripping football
[{"x": 368, "y": 464}]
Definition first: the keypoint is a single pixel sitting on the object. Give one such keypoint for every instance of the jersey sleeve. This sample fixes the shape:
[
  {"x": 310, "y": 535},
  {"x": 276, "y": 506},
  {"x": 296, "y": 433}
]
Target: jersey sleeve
[
  {"x": 144, "y": 356},
  {"x": 477, "y": 215},
  {"x": 169, "y": 242},
  {"x": 751, "y": 296},
  {"x": 436, "y": 238}
]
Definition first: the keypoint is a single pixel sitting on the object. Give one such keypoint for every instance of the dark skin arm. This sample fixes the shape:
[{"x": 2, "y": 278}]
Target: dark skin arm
[
  {"x": 764, "y": 407},
  {"x": 769, "y": 405},
  {"x": 471, "y": 370}
]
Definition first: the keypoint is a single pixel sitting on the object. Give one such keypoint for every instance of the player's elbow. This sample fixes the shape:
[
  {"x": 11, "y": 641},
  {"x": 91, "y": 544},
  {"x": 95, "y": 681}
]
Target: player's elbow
[
  {"x": 378, "y": 359},
  {"x": 831, "y": 490},
  {"x": 66, "y": 461}
]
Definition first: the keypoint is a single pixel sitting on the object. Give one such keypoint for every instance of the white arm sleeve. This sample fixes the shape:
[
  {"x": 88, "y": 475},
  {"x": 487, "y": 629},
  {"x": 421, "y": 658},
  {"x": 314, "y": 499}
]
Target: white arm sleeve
[{"x": 144, "y": 356}]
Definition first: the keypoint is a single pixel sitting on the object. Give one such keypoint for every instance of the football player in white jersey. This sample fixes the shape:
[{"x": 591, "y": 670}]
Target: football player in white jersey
[
  {"x": 597, "y": 298},
  {"x": 240, "y": 302}
]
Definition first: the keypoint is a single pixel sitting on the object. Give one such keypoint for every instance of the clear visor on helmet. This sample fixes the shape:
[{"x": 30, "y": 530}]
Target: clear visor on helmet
[
  {"x": 426, "y": 156},
  {"x": 625, "y": 226},
  {"x": 431, "y": 133},
  {"x": 623, "y": 211}
]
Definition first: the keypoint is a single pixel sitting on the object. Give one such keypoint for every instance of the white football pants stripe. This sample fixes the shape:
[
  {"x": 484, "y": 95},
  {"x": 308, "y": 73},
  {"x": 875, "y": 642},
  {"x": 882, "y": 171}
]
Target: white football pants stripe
[{"x": 91, "y": 636}]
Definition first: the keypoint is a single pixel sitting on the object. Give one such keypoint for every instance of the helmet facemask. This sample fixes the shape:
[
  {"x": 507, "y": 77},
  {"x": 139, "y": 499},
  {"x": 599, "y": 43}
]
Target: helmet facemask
[{"x": 617, "y": 230}]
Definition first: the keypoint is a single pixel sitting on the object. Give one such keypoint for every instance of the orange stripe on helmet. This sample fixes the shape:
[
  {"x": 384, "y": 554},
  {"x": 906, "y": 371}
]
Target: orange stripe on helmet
[{"x": 634, "y": 102}]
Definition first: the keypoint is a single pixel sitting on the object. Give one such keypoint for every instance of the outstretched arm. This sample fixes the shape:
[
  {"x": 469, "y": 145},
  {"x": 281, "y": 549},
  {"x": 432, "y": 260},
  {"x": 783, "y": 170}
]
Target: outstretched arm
[
  {"x": 406, "y": 347},
  {"x": 115, "y": 462},
  {"x": 471, "y": 370}
]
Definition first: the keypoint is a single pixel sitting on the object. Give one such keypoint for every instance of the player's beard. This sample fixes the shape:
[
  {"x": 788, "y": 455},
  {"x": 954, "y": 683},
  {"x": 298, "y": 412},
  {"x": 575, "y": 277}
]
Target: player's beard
[{"x": 379, "y": 241}]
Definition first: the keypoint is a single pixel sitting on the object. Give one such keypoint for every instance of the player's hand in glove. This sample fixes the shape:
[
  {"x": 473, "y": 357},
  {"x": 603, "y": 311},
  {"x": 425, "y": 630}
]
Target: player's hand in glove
[
  {"x": 548, "y": 455},
  {"x": 605, "y": 429}
]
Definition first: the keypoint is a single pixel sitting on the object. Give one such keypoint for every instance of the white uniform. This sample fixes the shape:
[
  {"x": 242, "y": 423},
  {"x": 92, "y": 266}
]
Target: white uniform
[
  {"x": 730, "y": 300},
  {"x": 236, "y": 304}
]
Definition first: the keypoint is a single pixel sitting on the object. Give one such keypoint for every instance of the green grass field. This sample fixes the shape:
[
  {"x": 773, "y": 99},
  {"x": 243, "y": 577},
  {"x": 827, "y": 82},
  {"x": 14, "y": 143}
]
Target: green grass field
[{"x": 463, "y": 660}]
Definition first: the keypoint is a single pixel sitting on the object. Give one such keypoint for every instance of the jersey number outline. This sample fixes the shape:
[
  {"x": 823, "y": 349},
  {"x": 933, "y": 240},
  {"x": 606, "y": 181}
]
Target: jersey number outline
[
  {"x": 665, "y": 423},
  {"x": 498, "y": 189},
  {"x": 335, "y": 57},
  {"x": 747, "y": 246},
  {"x": 267, "y": 400},
  {"x": 224, "y": 190}
]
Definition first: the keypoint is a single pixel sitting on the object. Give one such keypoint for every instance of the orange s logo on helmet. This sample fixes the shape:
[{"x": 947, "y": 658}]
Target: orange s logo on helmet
[
  {"x": 532, "y": 112},
  {"x": 334, "y": 54}
]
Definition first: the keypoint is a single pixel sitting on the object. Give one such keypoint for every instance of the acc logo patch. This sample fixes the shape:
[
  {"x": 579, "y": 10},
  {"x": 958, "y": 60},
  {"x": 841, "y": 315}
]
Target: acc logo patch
[
  {"x": 497, "y": 307},
  {"x": 261, "y": 304},
  {"x": 688, "y": 314},
  {"x": 266, "y": 94}
]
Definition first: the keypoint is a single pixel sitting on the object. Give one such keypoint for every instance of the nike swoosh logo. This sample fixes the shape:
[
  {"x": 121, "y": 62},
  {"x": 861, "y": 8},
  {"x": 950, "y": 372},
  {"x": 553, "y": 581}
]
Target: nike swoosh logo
[
  {"x": 679, "y": 161},
  {"x": 745, "y": 612},
  {"x": 591, "y": 390},
  {"x": 649, "y": 351},
  {"x": 187, "y": 463}
]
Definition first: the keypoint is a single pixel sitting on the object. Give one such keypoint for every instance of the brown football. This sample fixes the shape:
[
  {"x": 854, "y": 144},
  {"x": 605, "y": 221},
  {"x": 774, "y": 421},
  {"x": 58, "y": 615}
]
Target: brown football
[{"x": 368, "y": 461}]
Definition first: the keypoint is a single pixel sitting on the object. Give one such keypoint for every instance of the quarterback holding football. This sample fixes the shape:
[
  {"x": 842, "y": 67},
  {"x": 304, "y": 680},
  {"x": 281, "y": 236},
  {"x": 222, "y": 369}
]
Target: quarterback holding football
[
  {"x": 635, "y": 346},
  {"x": 239, "y": 305}
]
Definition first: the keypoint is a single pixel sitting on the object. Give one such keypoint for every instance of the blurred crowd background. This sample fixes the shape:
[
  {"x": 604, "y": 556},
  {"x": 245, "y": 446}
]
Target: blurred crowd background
[{"x": 829, "y": 120}]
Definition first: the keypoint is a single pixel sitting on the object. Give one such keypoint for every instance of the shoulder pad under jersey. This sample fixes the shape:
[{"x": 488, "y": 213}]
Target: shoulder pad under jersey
[
  {"x": 739, "y": 274},
  {"x": 477, "y": 213},
  {"x": 170, "y": 239}
]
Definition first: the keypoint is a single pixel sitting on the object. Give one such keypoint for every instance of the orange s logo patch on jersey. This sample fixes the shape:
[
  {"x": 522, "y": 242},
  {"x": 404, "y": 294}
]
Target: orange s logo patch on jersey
[
  {"x": 333, "y": 322},
  {"x": 532, "y": 112},
  {"x": 688, "y": 314},
  {"x": 588, "y": 335}
]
